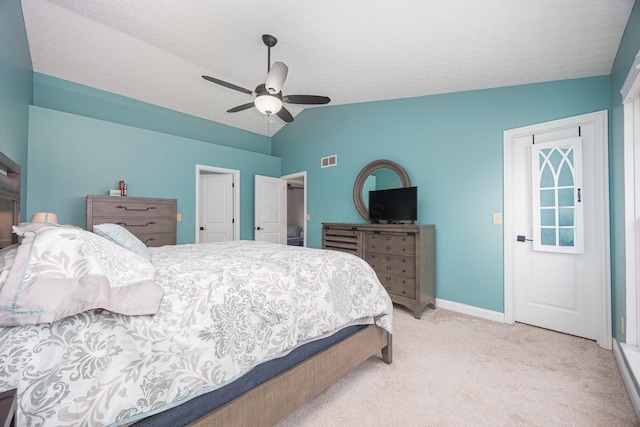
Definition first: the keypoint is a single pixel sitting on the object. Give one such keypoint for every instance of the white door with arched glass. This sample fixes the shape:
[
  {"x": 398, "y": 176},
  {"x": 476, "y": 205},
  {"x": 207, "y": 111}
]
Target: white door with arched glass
[{"x": 556, "y": 235}]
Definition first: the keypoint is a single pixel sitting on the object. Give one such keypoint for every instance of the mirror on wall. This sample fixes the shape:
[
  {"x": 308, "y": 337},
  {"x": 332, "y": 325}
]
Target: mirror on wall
[{"x": 377, "y": 175}]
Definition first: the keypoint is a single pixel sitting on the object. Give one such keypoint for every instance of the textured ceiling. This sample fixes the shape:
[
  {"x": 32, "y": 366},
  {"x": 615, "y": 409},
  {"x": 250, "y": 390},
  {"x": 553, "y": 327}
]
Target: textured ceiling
[{"x": 351, "y": 51}]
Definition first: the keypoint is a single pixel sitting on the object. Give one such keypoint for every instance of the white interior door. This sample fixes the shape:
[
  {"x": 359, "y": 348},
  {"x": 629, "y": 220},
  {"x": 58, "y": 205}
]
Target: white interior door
[
  {"x": 216, "y": 208},
  {"x": 270, "y": 209},
  {"x": 558, "y": 289}
]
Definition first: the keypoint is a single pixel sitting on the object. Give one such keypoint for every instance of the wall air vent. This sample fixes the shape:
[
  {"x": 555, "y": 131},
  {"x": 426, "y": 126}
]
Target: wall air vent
[{"x": 327, "y": 162}]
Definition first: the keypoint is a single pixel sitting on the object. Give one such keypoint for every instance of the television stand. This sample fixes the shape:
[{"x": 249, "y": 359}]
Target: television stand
[{"x": 402, "y": 255}]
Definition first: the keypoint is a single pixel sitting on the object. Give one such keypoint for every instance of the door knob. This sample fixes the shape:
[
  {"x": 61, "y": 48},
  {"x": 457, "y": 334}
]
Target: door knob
[
  {"x": 201, "y": 228},
  {"x": 522, "y": 238}
]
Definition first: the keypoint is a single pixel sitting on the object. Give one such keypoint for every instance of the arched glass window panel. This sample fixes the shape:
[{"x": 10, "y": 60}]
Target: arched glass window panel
[
  {"x": 565, "y": 179},
  {"x": 547, "y": 180},
  {"x": 556, "y": 177},
  {"x": 555, "y": 158}
]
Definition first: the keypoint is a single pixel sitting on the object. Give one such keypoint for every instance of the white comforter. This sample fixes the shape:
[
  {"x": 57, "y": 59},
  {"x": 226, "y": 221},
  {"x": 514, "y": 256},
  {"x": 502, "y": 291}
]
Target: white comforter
[{"x": 226, "y": 308}]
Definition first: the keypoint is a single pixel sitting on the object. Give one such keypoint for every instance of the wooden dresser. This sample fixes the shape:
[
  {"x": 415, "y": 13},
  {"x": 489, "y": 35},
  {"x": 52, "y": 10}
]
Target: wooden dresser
[
  {"x": 403, "y": 256},
  {"x": 153, "y": 221}
]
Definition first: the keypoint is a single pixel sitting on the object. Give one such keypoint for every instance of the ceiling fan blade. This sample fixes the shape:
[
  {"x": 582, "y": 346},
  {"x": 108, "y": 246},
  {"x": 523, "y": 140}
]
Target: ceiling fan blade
[
  {"x": 240, "y": 108},
  {"x": 285, "y": 115},
  {"x": 306, "y": 99},
  {"x": 228, "y": 85},
  {"x": 276, "y": 77}
]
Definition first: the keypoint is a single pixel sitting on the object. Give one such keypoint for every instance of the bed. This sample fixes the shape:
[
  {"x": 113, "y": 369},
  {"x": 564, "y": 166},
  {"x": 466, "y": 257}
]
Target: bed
[{"x": 215, "y": 334}]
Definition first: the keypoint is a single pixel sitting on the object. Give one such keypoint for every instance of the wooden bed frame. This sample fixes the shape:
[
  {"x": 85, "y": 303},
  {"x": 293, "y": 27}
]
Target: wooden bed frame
[
  {"x": 9, "y": 200},
  {"x": 271, "y": 401}
]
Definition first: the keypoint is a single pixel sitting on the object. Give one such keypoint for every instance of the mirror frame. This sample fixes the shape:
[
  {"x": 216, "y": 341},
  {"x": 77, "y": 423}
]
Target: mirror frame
[{"x": 361, "y": 207}]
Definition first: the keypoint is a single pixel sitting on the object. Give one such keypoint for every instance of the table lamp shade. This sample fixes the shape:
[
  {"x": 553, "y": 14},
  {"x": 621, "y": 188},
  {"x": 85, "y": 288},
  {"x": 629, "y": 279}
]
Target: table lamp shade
[{"x": 45, "y": 217}]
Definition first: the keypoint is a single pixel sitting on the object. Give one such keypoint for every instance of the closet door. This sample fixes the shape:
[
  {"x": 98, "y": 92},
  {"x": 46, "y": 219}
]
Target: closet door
[{"x": 270, "y": 210}]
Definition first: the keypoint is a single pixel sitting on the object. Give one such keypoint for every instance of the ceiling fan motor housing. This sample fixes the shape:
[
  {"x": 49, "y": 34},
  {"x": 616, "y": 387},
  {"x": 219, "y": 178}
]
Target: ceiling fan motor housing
[{"x": 276, "y": 77}]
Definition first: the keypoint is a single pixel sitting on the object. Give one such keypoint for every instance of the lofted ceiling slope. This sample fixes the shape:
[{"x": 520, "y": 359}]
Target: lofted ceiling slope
[{"x": 351, "y": 51}]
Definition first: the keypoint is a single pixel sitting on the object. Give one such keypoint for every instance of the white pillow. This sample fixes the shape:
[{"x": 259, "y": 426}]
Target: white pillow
[
  {"x": 60, "y": 271},
  {"x": 123, "y": 237}
]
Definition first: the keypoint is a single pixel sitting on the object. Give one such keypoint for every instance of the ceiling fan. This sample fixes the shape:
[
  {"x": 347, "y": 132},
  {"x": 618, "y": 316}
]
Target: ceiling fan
[{"x": 268, "y": 95}]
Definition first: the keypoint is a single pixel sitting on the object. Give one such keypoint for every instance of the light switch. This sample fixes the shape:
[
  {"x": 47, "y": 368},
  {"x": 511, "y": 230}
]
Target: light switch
[
  {"x": 497, "y": 218},
  {"x": 308, "y": 217},
  {"x": 179, "y": 217}
]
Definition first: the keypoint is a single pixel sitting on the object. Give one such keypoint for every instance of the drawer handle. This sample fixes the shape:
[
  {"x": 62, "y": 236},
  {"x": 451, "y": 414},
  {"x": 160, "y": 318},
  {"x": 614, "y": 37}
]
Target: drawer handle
[
  {"x": 403, "y": 292},
  {"x": 388, "y": 288},
  {"x": 388, "y": 268},
  {"x": 134, "y": 209},
  {"x": 388, "y": 258},
  {"x": 124, "y": 224},
  {"x": 388, "y": 248},
  {"x": 150, "y": 239},
  {"x": 388, "y": 237},
  {"x": 388, "y": 278}
]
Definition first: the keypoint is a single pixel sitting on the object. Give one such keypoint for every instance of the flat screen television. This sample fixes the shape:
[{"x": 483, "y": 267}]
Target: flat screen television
[{"x": 393, "y": 205}]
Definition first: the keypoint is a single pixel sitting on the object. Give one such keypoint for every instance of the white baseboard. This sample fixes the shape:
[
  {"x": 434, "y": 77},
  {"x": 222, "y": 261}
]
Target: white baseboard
[
  {"x": 627, "y": 375},
  {"x": 483, "y": 313}
]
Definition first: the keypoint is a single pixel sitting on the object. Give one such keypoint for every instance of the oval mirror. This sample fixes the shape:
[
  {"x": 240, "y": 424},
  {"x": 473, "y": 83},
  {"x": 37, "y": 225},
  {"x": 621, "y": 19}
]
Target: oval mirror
[{"x": 377, "y": 175}]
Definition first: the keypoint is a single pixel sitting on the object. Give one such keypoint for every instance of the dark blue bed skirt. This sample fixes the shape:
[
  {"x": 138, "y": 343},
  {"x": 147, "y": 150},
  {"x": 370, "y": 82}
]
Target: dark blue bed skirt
[{"x": 200, "y": 406}]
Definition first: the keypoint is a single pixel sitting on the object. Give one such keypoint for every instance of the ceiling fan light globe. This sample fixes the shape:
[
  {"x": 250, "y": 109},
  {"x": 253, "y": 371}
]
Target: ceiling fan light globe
[{"x": 268, "y": 104}]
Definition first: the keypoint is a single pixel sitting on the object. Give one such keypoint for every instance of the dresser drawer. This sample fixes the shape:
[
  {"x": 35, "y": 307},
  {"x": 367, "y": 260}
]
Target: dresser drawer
[
  {"x": 132, "y": 209},
  {"x": 391, "y": 243},
  {"x": 341, "y": 240},
  {"x": 138, "y": 225},
  {"x": 391, "y": 264},
  {"x": 398, "y": 285},
  {"x": 155, "y": 239}
]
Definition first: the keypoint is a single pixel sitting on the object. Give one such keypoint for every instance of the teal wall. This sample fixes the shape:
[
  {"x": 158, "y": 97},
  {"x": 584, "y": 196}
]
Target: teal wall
[
  {"x": 451, "y": 146},
  {"x": 71, "y": 156},
  {"x": 84, "y": 140},
  {"x": 629, "y": 47},
  {"x": 62, "y": 95},
  {"x": 16, "y": 91}
]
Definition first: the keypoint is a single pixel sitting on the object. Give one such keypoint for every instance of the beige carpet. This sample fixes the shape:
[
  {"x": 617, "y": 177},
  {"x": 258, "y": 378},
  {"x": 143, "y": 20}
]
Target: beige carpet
[{"x": 455, "y": 370}]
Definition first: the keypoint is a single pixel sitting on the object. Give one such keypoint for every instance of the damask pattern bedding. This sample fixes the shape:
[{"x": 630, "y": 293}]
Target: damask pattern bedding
[{"x": 226, "y": 308}]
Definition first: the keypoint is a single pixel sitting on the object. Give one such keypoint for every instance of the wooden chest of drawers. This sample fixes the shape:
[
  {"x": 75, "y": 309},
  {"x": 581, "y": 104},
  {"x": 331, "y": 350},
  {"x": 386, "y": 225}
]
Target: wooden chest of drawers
[
  {"x": 151, "y": 220},
  {"x": 402, "y": 255}
]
